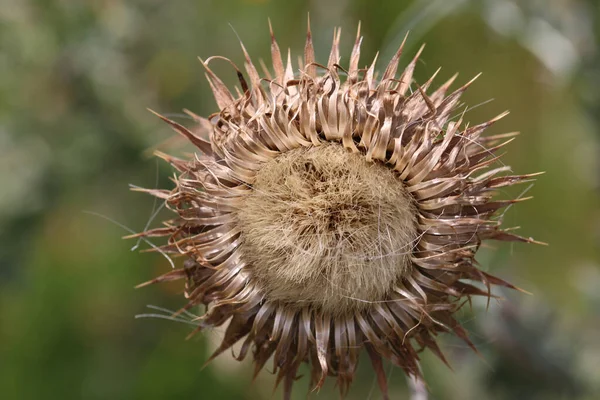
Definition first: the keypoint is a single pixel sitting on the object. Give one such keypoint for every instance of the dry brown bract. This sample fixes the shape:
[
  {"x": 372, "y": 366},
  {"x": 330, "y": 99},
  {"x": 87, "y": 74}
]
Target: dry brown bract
[{"x": 329, "y": 214}]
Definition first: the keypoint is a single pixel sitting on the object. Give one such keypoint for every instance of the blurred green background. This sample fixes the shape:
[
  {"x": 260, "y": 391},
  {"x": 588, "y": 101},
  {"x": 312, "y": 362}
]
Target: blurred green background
[{"x": 75, "y": 80}]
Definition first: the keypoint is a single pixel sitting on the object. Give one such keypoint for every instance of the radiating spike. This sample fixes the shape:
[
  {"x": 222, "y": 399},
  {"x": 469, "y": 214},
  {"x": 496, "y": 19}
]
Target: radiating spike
[
  {"x": 289, "y": 69},
  {"x": 439, "y": 94},
  {"x": 161, "y": 194},
  {"x": 309, "y": 53},
  {"x": 322, "y": 328},
  {"x": 355, "y": 57},
  {"x": 252, "y": 72},
  {"x": 238, "y": 328},
  {"x": 449, "y": 103},
  {"x": 493, "y": 138},
  {"x": 204, "y": 126},
  {"x": 390, "y": 71},
  {"x": 179, "y": 164},
  {"x": 429, "y": 81},
  {"x": 156, "y": 232},
  {"x": 276, "y": 56},
  {"x": 407, "y": 74},
  {"x": 334, "y": 56},
  {"x": 200, "y": 143},
  {"x": 169, "y": 276},
  {"x": 265, "y": 69},
  {"x": 379, "y": 371},
  {"x": 222, "y": 95},
  {"x": 287, "y": 386},
  {"x": 370, "y": 73}
]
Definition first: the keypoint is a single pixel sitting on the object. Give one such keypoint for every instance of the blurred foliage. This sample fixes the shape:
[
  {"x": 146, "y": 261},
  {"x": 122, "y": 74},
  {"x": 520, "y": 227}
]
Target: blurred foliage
[{"x": 75, "y": 80}]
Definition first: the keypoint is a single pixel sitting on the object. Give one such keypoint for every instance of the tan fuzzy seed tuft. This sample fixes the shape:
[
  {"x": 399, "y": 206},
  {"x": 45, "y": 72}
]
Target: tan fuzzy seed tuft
[{"x": 323, "y": 227}]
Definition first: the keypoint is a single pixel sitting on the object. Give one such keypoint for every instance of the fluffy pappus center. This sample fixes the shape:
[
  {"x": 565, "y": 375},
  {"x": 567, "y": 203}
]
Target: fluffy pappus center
[{"x": 326, "y": 227}]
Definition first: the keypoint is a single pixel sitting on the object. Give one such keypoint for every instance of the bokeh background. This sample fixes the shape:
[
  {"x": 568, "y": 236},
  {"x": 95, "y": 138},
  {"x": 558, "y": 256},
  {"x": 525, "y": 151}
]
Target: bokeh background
[{"x": 76, "y": 78}]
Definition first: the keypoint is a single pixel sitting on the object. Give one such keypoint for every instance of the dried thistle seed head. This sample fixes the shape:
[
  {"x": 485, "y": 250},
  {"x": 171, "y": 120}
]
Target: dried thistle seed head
[
  {"x": 325, "y": 228},
  {"x": 327, "y": 214}
]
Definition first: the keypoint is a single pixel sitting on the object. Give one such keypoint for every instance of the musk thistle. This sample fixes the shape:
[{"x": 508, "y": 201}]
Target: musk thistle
[{"x": 332, "y": 210}]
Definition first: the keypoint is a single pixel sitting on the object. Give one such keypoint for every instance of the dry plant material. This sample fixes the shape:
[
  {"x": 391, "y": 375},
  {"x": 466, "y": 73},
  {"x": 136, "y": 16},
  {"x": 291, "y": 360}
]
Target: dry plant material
[{"x": 332, "y": 211}]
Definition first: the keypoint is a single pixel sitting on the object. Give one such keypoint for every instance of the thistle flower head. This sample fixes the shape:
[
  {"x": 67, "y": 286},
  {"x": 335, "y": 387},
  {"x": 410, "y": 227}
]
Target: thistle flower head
[{"x": 332, "y": 210}]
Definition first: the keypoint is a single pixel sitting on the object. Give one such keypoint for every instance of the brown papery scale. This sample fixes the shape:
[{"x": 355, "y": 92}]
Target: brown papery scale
[{"x": 327, "y": 210}]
